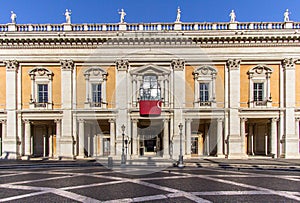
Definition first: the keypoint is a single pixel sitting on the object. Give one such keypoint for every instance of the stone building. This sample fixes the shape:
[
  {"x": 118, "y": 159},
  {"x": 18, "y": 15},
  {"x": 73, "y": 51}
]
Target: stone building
[{"x": 67, "y": 89}]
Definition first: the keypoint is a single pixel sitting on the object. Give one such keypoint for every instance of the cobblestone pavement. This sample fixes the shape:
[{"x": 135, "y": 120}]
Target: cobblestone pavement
[{"x": 95, "y": 183}]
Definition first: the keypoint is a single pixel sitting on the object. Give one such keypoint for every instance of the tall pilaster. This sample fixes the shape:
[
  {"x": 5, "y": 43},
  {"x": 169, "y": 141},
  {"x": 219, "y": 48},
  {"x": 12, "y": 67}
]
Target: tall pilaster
[
  {"x": 122, "y": 102},
  {"x": 66, "y": 141},
  {"x": 235, "y": 149},
  {"x": 11, "y": 141},
  {"x": 178, "y": 99},
  {"x": 291, "y": 139}
]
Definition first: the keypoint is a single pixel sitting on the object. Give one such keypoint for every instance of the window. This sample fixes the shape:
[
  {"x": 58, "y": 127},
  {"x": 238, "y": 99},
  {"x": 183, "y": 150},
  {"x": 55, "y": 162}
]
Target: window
[
  {"x": 205, "y": 92},
  {"x": 259, "y": 81},
  {"x": 150, "y": 89},
  {"x": 95, "y": 87},
  {"x": 96, "y": 95},
  {"x": 150, "y": 82},
  {"x": 41, "y": 88},
  {"x": 258, "y": 91},
  {"x": 42, "y": 93}
]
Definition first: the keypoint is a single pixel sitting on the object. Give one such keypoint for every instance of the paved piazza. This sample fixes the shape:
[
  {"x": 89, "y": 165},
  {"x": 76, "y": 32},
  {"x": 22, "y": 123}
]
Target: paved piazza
[{"x": 95, "y": 183}]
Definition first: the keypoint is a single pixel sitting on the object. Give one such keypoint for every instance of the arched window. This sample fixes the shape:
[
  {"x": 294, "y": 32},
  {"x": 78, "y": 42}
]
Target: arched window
[
  {"x": 205, "y": 91},
  {"x": 95, "y": 78},
  {"x": 41, "y": 88},
  {"x": 259, "y": 82}
]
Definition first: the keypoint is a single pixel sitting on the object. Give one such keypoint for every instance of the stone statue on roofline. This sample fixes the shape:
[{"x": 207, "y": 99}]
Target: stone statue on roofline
[
  {"x": 122, "y": 16},
  {"x": 286, "y": 15},
  {"x": 232, "y": 16},
  {"x": 13, "y": 17},
  {"x": 178, "y": 15},
  {"x": 68, "y": 16}
]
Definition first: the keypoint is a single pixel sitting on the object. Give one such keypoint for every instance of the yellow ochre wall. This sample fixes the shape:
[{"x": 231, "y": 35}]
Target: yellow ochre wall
[
  {"x": 2, "y": 87},
  {"x": 110, "y": 86},
  {"x": 190, "y": 88},
  {"x": 244, "y": 85},
  {"x": 56, "y": 86}
]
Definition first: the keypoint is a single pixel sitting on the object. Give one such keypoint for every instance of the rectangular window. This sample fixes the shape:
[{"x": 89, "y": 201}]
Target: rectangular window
[
  {"x": 204, "y": 92},
  {"x": 258, "y": 91},
  {"x": 42, "y": 93},
  {"x": 96, "y": 93}
]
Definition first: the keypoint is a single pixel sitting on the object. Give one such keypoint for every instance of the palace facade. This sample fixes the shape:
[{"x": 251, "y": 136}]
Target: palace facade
[{"x": 94, "y": 90}]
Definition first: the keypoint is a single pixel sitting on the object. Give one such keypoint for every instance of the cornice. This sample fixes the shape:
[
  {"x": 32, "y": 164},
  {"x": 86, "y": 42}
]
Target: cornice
[{"x": 156, "y": 40}]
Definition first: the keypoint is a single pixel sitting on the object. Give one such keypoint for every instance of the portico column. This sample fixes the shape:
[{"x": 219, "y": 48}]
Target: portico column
[
  {"x": 58, "y": 134},
  {"x": 81, "y": 138},
  {"x": 27, "y": 138},
  {"x": 220, "y": 137},
  {"x": 274, "y": 137},
  {"x": 166, "y": 152},
  {"x": 3, "y": 122},
  {"x": 112, "y": 137},
  {"x": 243, "y": 123},
  {"x": 250, "y": 139},
  {"x": 188, "y": 136},
  {"x": 134, "y": 137}
]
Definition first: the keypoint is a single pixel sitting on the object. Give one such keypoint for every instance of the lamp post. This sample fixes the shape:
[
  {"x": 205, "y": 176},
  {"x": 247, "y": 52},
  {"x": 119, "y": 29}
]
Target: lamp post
[
  {"x": 123, "y": 159},
  {"x": 180, "y": 163}
]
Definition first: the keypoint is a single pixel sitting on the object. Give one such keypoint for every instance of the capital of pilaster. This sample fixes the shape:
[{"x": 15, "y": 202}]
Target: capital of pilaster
[
  {"x": 67, "y": 64},
  {"x": 289, "y": 63},
  {"x": 112, "y": 120},
  {"x": 57, "y": 121},
  {"x": 297, "y": 119},
  {"x": 12, "y": 65},
  {"x": 81, "y": 121},
  {"x": 233, "y": 64},
  {"x": 188, "y": 120},
  {"x": 26, "y": 121},
  {"x": 3, "y": 122},
  {"x": 166, "y": 120},
  {"x": 178, "y": 64},
  {"x": 122, "y": 65},
  {"x": 220, "y": 119},
  {"x": 243, "y": 119}
]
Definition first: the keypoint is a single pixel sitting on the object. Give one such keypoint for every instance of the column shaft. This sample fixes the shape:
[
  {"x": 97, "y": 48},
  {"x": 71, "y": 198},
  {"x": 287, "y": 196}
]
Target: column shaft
[
  {"x": 188, "y": 136},
  {"x": 112, "y": 137},
  {"x": 27, "y": 138},
  {"x": 274, "y": 137},
  {"x": 134, "y": 138},
  {"x": 220, "y": 137},
  {"x": 81, "y": 138},
  {"x": 166, "y": 139}
]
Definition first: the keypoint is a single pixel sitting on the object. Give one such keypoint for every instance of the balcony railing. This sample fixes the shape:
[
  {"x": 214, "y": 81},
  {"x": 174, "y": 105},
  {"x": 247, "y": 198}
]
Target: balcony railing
[{"x": 183, "y": 26}]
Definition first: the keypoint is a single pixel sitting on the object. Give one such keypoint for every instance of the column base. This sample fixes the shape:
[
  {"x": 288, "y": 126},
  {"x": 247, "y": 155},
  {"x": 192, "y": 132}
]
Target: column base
[{"x": 26, "y": 157}]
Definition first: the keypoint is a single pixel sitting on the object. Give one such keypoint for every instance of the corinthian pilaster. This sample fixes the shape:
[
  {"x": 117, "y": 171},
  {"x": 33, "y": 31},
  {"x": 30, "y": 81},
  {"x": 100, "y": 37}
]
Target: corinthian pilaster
[
  {"x": 122, "y": 65},
  {"x": 178, "y": 64}
]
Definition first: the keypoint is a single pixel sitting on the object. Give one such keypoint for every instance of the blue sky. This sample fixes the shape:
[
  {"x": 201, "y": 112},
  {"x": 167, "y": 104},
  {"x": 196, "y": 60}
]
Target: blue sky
[{"x": 106, "y": 11}]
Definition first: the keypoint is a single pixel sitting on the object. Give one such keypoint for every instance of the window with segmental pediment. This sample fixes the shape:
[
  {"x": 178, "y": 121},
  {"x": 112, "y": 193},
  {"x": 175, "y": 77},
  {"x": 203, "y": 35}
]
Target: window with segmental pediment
[
  {"x": 41, "y": 88},
  {"x": 95, "y": 78},
  {"x": 259, "y": 82},
  {"x": 205, "y": 90}
]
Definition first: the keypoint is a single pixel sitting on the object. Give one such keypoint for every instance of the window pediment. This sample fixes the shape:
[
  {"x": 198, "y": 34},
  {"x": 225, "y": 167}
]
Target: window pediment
[
  {"x": 150, "y": 69},
  {"x": 205, "y": 71},
  {"x": 40, "y": 72},
  {"x": 95, "y": 72},
  {"x": 260, "y": 71}
]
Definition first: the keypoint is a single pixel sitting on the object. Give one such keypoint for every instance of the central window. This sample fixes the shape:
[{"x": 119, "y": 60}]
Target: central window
[
  {"x": 42, "y": 93},
  {"x": 258, "y": 91},
  {"x": 150, "y": 89}
]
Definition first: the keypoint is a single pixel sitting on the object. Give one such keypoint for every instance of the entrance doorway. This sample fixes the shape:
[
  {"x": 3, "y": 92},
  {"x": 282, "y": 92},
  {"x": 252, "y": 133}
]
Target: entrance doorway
[{"x": 150, "y": 134}]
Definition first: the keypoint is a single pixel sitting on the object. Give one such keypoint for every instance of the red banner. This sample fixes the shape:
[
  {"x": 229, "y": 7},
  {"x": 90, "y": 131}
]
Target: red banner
[{"x": 150, "y": 107}]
